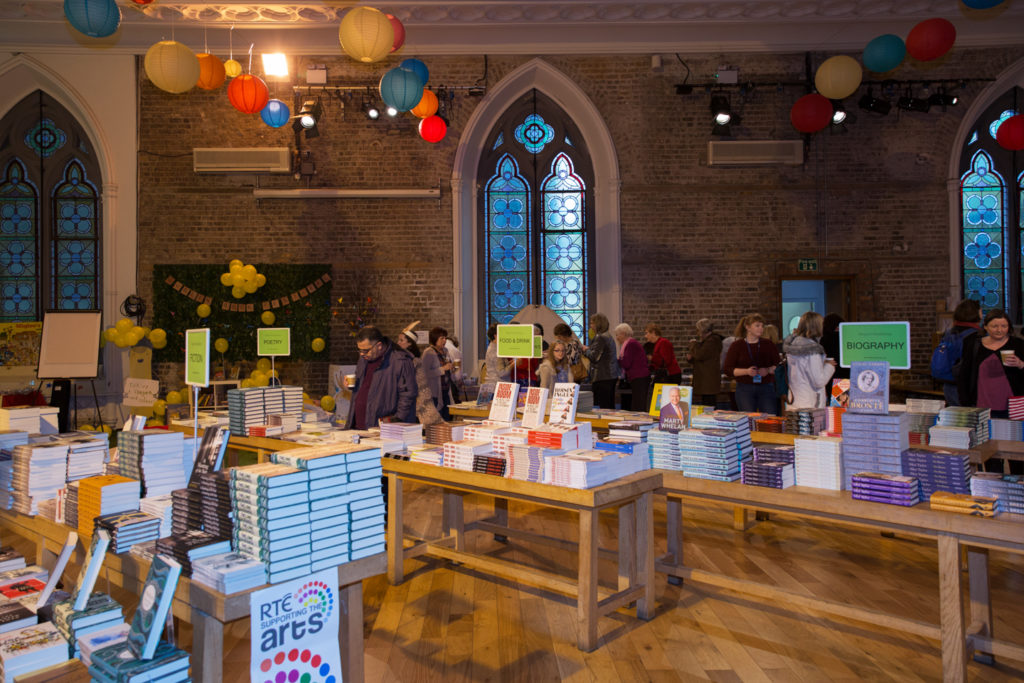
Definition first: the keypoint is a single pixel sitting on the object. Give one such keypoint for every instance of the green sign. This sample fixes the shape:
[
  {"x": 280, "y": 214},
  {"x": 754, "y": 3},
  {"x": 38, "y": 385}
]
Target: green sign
[
  {"x": 807, "y": 265},
  {"x": 515, "y": 341},
  {"x": 197, "y": 357},
  {"x": 538, "y": 347},
  {"x": 273, "y": 341},
  {"x": 888, "y": 342}
]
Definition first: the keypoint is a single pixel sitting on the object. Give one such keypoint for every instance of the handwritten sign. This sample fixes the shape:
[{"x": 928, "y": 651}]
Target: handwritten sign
[{"x": 140, "y": 392}]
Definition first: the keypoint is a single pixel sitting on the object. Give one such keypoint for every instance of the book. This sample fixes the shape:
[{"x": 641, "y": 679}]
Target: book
[
  {"x": 564, "y": 401},
  {"x": 31, "y": 648},
  {"x": 211, "y": 453},
  {"x": 58, "y": 571},
  {"x": 90, "y": 568},
  {"x": 503, "y": 405},
  {"x": 154, "y": 603},
  {"x": 14, "y": 615},
  {"x": 535, "y": 407},
  {"x": 673, "y": 407},
  {"x": 120, "y": 663},
  {"x": 869, "y": 388}
]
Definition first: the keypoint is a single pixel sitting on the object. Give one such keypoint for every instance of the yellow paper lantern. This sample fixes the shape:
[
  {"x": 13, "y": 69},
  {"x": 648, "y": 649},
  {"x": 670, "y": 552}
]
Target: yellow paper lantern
[
  {"x": 268, "y": 317},
  {"x": 427, "y": 105},
  {"x": 232, "y": 68},
  {"x": 366, "y": 34},
  {"x": 838, "y": 77},
  {"x": 171, "y": 66},
  {"x": 221, "y": 344},
  {"x": 211, "y": 72}
]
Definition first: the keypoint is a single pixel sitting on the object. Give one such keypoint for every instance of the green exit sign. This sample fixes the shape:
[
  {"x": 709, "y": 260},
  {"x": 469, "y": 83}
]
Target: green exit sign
[{"x": 807, "y": 265}]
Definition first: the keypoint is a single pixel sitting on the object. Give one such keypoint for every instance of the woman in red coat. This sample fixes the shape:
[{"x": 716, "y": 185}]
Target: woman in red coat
[{"x": 664, "y": 367}]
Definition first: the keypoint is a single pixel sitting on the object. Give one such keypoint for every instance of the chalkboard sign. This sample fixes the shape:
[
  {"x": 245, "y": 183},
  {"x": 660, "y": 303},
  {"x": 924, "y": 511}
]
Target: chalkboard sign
[{"x": 70, "y": 347}]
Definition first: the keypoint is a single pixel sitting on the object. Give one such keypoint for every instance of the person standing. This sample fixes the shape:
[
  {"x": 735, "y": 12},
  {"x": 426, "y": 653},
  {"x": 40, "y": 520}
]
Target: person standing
[
  {"x": 809, "y": 369},
  {"x": 705, "y": 355},
  {"x": 426, "y": 412},
  {"x": 385, "y": 388},
  {"x": 752, "y": 360},
  {"x": 438, "y": 369},
  {"x": 992, "y": 369},
  {"x": 496, "y": 369},
  {"x": 603, "y": 362},
  {"x": 966, "y": 322},
  {"x": 555, "y": 368},
  {"x": 578, "y": 369},
  {"x": 663, "y": 365},
  {"x": 635, "y": 370}
]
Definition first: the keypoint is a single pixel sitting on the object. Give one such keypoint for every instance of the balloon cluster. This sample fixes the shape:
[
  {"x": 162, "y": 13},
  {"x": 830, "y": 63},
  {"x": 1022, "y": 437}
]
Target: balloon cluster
[
  {"x": 126, "y": 333},
  {"x": 260, "y": 377},
  {"x": 242, "y": 279}
]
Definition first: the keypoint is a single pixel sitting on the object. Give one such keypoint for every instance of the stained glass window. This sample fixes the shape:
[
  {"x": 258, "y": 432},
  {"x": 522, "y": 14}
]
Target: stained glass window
[
  {"x": 49, "y": 212},
  {"x": 983, "y": 203},
  {"x": 537, "y": 242}
]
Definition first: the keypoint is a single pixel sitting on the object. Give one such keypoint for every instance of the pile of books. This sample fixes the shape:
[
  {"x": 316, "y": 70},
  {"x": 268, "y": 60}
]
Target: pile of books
[
  {"x": 502, "y": 443},
  {"x": 819, "y": 462},
  {"x": 946, "y": 470},
  {"x": 584, "y": 469},
  {"x": 31, "y": 648},
  {"x": 919, "y": 426},
  {"x": 190, "y": 546},
  {"x": 288, "y": 422},
  {"x": 886, "y": 488},
  {"x": 366, "y": 504},
  {"x": 965, "y": 504},
  {"x": 71, "y": 504},
  {"x": 6, "y": 481},
  {"x": 663, "y": 446},
  {"x": 128, "y": 528},
  {"x": 99, "y": 612},
  {"x": 245, "y": 408},
  {"x": 953, "y": 437},
  {"x": 835, "y": 420},
  {"x": 31, "y": 419},
  {"x": 963, "y": 416},
  {"x": 873, "y": 443},
  {"x": 427, "y": 456},
  {"x": 489, "y": 463},
  {"x": 215, "y": 492},
  {"x": 773, "y": 474},
  {"x": 925, "y": 405},
  {"x": 459, "y": 454},
  {"x": 769, "y": 423},
  {"x": 186, "y": 510},
  {"x": 154, "y": 457},
  {"x": 624, "y": 446},
  {"x": 731, "y": 420},
  {"x": 1006, "y": 430},
  {"x": 104, "y": 495},
  {"x": 526, "y": 462},
  {"x": 10, "y": 559},
  {"x": 86, "y": 455},
  {"x": 112, "y": 635},
  {"x": 486, "y": 430},
  {"x": 270, "y": 503},
  {"x": 806, "y": 421},
  {"x": 160, "y": 507},
  {"x": 1008, "y": 488},
  {"x": 764, "y": 452},
  {"x": 443, "y": 432},
  {"x": 710, "y": 453},
  {"x": 229, "y": 572},
  {"x": 38, "y": 472},
  {"x": 409, "y": 433},
  {"x": 630, "y": 430}
]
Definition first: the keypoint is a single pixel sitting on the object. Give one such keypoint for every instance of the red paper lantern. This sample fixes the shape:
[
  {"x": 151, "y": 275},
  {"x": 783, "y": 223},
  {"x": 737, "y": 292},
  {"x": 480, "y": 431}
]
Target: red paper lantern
[
  {"x": 931, "y": 39},
  {"x": 142, "y": 2},
  {"x": 1010, "y": 134},
  {"x": 399, "y": 30},
  {"x": 811, "y": 113},
  {"x": 433, "y": 129},
  {"x": 248, "y": 94}
]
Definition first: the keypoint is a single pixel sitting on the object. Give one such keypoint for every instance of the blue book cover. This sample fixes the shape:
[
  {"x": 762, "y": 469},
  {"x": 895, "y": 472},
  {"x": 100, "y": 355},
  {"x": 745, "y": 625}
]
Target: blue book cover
[
  {"x": 869, "y": 388},
  {"x": 154, "y": 604}
]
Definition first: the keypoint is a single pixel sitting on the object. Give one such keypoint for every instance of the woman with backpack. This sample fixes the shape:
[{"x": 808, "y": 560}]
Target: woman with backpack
[
  {"x": 945, "y": 364},
  {"x": 808, "y": 369}
]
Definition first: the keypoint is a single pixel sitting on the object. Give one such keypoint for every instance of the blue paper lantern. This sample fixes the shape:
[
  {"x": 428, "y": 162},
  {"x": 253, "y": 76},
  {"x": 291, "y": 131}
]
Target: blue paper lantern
[
  {"x": 417, "y": 67},
  {"x": 94, "y": 18},
  {"x": 401, "y": 89},
  {"x": 982, "y": 4},
  {"x": 275, "y": 114},
  {"x": 884, "y": 53}
]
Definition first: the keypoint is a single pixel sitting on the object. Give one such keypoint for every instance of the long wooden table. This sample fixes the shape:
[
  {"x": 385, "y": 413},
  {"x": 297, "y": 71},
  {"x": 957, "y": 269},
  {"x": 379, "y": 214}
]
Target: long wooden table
[
  {"x": 950, "y": 530},
  {"x": 632, "y": 496},
  {"x": 207, "y": 609}
]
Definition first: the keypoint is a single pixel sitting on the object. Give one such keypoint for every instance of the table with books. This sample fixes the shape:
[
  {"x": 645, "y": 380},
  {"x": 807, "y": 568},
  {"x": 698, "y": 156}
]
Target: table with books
[
  {"x": 631, "y": 495},
  {"x": 950, "y": 530}
]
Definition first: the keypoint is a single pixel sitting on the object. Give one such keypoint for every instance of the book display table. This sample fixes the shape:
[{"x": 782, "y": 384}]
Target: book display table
[
  {"x": 205, "y": 608},
  {"x": 631, "y": 495},
  {"x": 950, "y": 530}
]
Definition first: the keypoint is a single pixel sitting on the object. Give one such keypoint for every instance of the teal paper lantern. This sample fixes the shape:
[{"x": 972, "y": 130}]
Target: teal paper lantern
[
  {"x": 275, "y": 114},
  {"x": 401, "y": 89},
  {"x": 982, "y": 4},
  {"x": 417, "y": 67},
  {"x": 94, "y": 18},
  {"x": 884, "y": 53}
]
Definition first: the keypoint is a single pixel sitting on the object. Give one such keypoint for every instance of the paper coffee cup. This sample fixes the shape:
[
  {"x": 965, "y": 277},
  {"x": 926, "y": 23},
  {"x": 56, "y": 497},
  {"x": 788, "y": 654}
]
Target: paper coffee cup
[
  {"x": 350, "y": 381},
  {"x": 1006, "y": 354}
]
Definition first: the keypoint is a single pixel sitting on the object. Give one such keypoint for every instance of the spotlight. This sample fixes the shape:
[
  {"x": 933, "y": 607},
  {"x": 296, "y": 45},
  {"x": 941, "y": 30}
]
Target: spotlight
[
  {"x": 874, "y": 105},
  {"x": 308, "y": 118},
  {"x": 943, "y": 99},
  {"x": 720, "y": 110},
  {"x": 910, "y": 103},
  {"x": 838, "y": 112},
  {"x": 392, "y": 112},
  {"x": 476, "y": 91},
  {"x": 371, "y": 111}
]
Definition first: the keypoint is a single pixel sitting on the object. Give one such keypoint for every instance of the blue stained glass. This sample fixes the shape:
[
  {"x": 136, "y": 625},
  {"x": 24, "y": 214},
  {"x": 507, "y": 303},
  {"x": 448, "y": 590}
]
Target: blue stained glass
[
  {"x": 974, "y": 138},
  {"x": 45, "y": 138},
  {"x": 19, "y": 300},
  {"x": 568, "y": 141},
  {"x": 73, "y": 249},
  {"x": 563, "y": 252},
  {"x": 500, "y": 141},
  {"x": 509, "y": 252},
  {"x": 983, "y": 200},
  {"x": 509, "y": 242},
  {"x": 533, "y": 133},
  {"x": 565, "y": 247},
  {"x": 994, "y": 126},
  {"x": 76, "y": 295},
  {"x": 18, "y": 257}
]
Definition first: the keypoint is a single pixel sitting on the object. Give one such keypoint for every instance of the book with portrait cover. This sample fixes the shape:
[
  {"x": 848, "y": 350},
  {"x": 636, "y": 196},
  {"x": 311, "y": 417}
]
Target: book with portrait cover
[
  {"x": 503, "y": 405},
  {"x": 536, "y": 404},
  {"x": 565, "y": 398},
  {"x": 869, "y": 388},
  {"x": 154, "y": 603}
]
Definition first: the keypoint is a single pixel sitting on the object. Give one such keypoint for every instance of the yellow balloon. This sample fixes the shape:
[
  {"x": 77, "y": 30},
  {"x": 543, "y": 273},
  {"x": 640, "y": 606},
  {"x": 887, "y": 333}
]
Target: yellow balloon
[
  {"x": 838, "y": 77},
  {"x": 237, "y": 292},
  {"x": 249, "y": 272},
  {"x": 122, "y": 340},
  {"x": 175, "y": 397},
  {"x": 235, "y": 262},
  {"x": 124, "y": 325},
  {"x": 257, "y": 376},
  {"x": 110, "y": 334},
  {"x": 237, "y": 279},
  {"x": 160, "y": 407},
  {"x": 134, "y": 337},
  {"x": 159, "y": 344},
  {"x": 157, "y": 334},
  {"x": 245, "y": 383},
  {"x": 318, "y": 344},
  {"x": 250, "y": 287},
  {"x": 235, "y": 268},
  {"x": 203, "y": 310},
  {"x": 106, "y": 429},
  {"x": 221, "y": 344},
  {"x": 268, "y": 317},
  {"x": 225, "y": 279},
  {"x": 155, "y": 421},
  {"x": 272, "y": 373},
  {"x": 327, "y": 403},
  {"x": 306, "y": 398},
  {"x": 261, "y": 279},
  {"x": 139, "y": 331},
  {"x": 263, "y": 364}
]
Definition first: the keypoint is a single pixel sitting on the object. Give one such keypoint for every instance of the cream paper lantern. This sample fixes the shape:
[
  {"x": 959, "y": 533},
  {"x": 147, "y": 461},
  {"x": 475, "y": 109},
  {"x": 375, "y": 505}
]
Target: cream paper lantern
[
  {"x": 838, "y": 77},
  {"x": 171, "y": 66},
  {"x": 366, "y": 34}
]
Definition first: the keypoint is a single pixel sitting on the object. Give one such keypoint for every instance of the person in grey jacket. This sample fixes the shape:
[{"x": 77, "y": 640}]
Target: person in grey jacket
[
  {"x": 809, "y": 369},
  {"x": 385, "y": 389},
  {"x": 604, "y": 362}
]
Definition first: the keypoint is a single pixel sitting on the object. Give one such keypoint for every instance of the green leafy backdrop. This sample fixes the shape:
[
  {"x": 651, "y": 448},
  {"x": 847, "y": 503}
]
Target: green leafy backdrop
[{"x": 308, "y": 318}]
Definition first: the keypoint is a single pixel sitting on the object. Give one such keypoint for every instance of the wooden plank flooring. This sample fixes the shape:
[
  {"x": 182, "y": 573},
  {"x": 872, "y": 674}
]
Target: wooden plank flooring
[{"x": 450, "y": 624}]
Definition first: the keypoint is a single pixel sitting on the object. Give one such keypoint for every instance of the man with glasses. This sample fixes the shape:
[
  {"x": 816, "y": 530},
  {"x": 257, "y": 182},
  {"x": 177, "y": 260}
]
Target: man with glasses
[{"x": 385, "y": 388}]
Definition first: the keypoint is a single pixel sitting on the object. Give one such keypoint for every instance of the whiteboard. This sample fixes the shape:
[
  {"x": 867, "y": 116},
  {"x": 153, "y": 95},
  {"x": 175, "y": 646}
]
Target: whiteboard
[{"x": 70, "y": 347}]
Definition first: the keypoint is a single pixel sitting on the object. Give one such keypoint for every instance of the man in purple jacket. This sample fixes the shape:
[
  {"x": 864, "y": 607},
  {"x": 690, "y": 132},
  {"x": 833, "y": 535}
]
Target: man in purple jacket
[{"x": 385, "y": 389}]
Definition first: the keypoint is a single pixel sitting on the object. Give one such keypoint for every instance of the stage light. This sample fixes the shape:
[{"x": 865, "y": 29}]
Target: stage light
[
  {"x": 874, "y": 104},
  {"x": 371, "y": 111},
  {"x": 910, "y": 103},
  {"x": 720, "y": 110},
  {"x": 838, "y": 112},
  {"x": 308, "y": 118},
  {"x": 275, "y": 64},
  {"x": 392, "y": 112},
  {"x": 943, "y": 99}
]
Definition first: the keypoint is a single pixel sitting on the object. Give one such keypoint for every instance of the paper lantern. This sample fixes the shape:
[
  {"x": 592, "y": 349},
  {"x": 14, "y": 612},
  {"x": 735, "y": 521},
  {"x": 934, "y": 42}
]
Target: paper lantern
[
  {"x": 366, "y": 34},
  {"x": 427, "y": 105},
  {"x": 275, "y": 114},
  {"x": 884, "y": 53},
  {"x": 1010, "y": 134},
  {"x": 94, "y": 18},
  {"x": 203, "y": 310},
  {"x": 433, "y": 129},
  {"x": 221, "y": 344},
  {"x": 171, "y": 66},
  {"x": 399, "y": 30},
  {"x": 417, "y": 67},
  {"x": 811, "y": 113},
  {"x": 232, "y": 68},
  {"x": 838, "y": 77},
  {"x": 982, "y": 4},
  {"x": 401, "y": 89},
  {"x": 248, "y": 94},
  {"x": 931, "y": 39},
  {"x": 267, "y": 317},
  {"x": 318, "y": 344},
  {"x": 143, "y": 2},
  {"x": 211, "y": 71}
]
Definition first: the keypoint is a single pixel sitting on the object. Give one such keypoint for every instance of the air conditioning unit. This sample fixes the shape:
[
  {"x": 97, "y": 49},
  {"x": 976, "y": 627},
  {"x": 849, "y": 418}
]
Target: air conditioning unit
[
  {"x": 242, "y": 160},
  {"x": 755, "y": 152}
]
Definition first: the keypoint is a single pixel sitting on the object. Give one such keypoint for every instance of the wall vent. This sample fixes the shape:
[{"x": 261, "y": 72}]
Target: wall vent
[
  {"x": 755, "y": 152},
  {"x": 242, "y": 160}
]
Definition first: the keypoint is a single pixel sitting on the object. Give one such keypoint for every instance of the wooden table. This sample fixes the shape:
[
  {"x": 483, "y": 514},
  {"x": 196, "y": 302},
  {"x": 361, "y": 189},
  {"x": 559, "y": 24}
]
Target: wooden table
[
  {"x": 205, "y": 608},
  {"x": 950, "y": 530},
  {"x": 71, "y": 671},
  {"x": 632, "y": 496},
  {"x": 597, "y": 421}
]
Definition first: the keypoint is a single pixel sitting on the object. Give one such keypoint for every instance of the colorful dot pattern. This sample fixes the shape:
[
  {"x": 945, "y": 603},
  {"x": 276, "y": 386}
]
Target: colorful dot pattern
[
  {"x": 297, "y": 666},
  {"x": 317, "y": 594}
]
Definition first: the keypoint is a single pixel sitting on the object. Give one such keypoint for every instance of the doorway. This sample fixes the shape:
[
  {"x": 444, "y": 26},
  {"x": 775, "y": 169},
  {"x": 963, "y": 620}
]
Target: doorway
[{"x": 824, "y": 296}]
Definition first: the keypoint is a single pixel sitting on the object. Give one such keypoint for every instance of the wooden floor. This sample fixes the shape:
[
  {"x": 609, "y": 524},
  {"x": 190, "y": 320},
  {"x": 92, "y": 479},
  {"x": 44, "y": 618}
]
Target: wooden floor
[{"x": 448, "y": 624}]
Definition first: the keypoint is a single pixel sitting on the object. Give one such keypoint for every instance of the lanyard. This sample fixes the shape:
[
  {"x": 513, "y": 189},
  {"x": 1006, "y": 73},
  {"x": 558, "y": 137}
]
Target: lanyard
[{"x": 750, "y": 351}]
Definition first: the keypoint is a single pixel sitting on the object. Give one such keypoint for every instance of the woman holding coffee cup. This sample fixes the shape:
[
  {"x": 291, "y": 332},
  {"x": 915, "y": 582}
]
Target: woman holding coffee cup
[{"x": 991, "y": 368}]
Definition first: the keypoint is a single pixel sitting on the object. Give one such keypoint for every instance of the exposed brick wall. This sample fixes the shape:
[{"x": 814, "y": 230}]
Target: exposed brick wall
[{"x": 696, "y": 241}]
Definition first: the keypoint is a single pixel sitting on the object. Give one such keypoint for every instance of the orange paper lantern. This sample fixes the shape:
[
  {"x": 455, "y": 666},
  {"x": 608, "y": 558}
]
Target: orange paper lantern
[
  {"x": 211, "y": 72},
  {"x": 427, "y": 105},
  {"x": 248, "y": 94}
]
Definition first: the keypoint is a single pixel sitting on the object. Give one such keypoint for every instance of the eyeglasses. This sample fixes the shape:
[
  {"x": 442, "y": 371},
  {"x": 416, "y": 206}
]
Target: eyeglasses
[{"x": 367, "y": 351}]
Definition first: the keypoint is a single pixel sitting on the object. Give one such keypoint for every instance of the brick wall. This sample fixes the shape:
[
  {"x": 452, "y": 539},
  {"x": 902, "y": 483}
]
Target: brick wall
[{"x": 720, "y": 239}]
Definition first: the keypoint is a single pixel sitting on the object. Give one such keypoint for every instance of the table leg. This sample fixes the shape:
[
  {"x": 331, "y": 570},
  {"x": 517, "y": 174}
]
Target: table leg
[
  {"x": 951, "y": 615},
  {"x": 674, "y": 530},
  {"x": 586, "y": 599},
  {"x": 627, "y": 545},
  {"x": 453, "y": 517},
  {"x": 207, "y": 648},
  {"x": 645, "y": 554},
  {"x": 740, "y": 519},
  {"x": 350, "y": 632},
  {"x": 981, "y": 605},
  {"x": 501, "y": 517},
  {"x": 396, "y": 554}
]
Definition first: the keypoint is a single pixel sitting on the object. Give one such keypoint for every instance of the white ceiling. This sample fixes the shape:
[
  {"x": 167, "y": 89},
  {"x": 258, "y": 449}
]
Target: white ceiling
[{"x": 519, "y": 27}]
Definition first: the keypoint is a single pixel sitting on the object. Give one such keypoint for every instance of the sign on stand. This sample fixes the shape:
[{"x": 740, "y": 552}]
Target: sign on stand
[
  {"x": 140, "y": 393},
  {"x": 274, "y": 341},
  {"x": 875, "y": 342},
  {"x": 515, "y": 341},
  {"x": 197, "y": 357}
]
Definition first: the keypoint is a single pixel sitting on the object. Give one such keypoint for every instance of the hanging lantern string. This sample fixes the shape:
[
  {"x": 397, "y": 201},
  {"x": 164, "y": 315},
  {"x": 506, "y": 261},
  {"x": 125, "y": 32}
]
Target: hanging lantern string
[
  {"x": 231, "y": 44},
  {"x": 206, "y": 45},
  {"x": 251, "y": 46}
]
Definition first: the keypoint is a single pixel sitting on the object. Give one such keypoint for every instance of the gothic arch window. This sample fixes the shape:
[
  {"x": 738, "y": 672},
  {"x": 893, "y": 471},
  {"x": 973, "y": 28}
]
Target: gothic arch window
[
  {"x": 536, "y": 197},
  {"x": 50, "y": 190}
]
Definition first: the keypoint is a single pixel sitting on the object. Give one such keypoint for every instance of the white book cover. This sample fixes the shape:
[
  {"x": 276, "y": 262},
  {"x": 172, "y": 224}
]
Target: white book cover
[
  {"x": 91, "y": 568},
  {"x": 536, "y": 404},
  {"x": 564, "y": 400},
  {"x": 57, "y": 573},
  {"x": 503, "y": 405}
]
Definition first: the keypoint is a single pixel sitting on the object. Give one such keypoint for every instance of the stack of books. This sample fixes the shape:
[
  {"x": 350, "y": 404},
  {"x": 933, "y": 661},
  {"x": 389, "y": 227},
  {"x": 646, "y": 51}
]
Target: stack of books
[
  {"x": 160, "y": 507},
  {"x": 10, "y": 559},
  {"x": 526, "y": 463},
  {"x": 190, "y": 546},
  {"x": 459, "y": 454},
  {"x": 946, "y": 470},
  {"x": 731, "y": 420},
  {"x": 14, "y": 616},
  {"x": 86, "y": 455},
  {"x": 270, "y": 503},
  {"x": 1008, "y": 488},
  {"x": 965, "y": 504},
  {"x": 118, "y": 664},
  {"x": 486, "y": 431},
  {"x": 835, "y": 420},
  {"x": 773, "y": 474},
  {"x": 9, "y": 438},
  {"x": 229, "y": 572},
  {"x": 806, "y": 421},
  {"x": 819, "y": 462},
  {"x": 1006, "y": 430},
  {"x": 7, "y": 476},
  {"x": 925, "y": 405},
  {"x": 265, "y": 430},
  {"x": 502, "y": 443},
  {"x": 663, "y": 446},
  {"x": 112, "y": 635},
  {"x": 873, "y": 443},
  {"x": 29, "y": 649},
  {"x": 919, "y": 426},
  {"x": 38, "y": 472},
  {"x": 710, "y": 453},
  {"x": 21, "y": 418},
  {"x": 215, "y": 492},
  {"x": 366, "y": 504},
  {"x": 288, "y": 422},
  {"x": 128, "y": 528},
  {"x": 442, "y": 432},
  {"x": 769, "y": 423},
  {"x": 584, "y": 469},
  {"x": 953, "y": 437},
  {"x": 886, "y": 488},
  {"x": 186, "y": 510},
  {"x": 964, "y": 416},
  {"x": 71, "y": 504},
  {"x": 630, "y": 430},
  {"x": 624, "y": 446},
  {"x": 154, "y": 457},
  {"x": 104, "y": 495},
  {"x": 100, "y": 612},
  {"x": 245, "y": 408},
  {"x": 427, "y": 456},
  {"x": 774, "y": 453},
  {"x": 409, "y": 433},
  {"x": 489, "y": 464}
]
